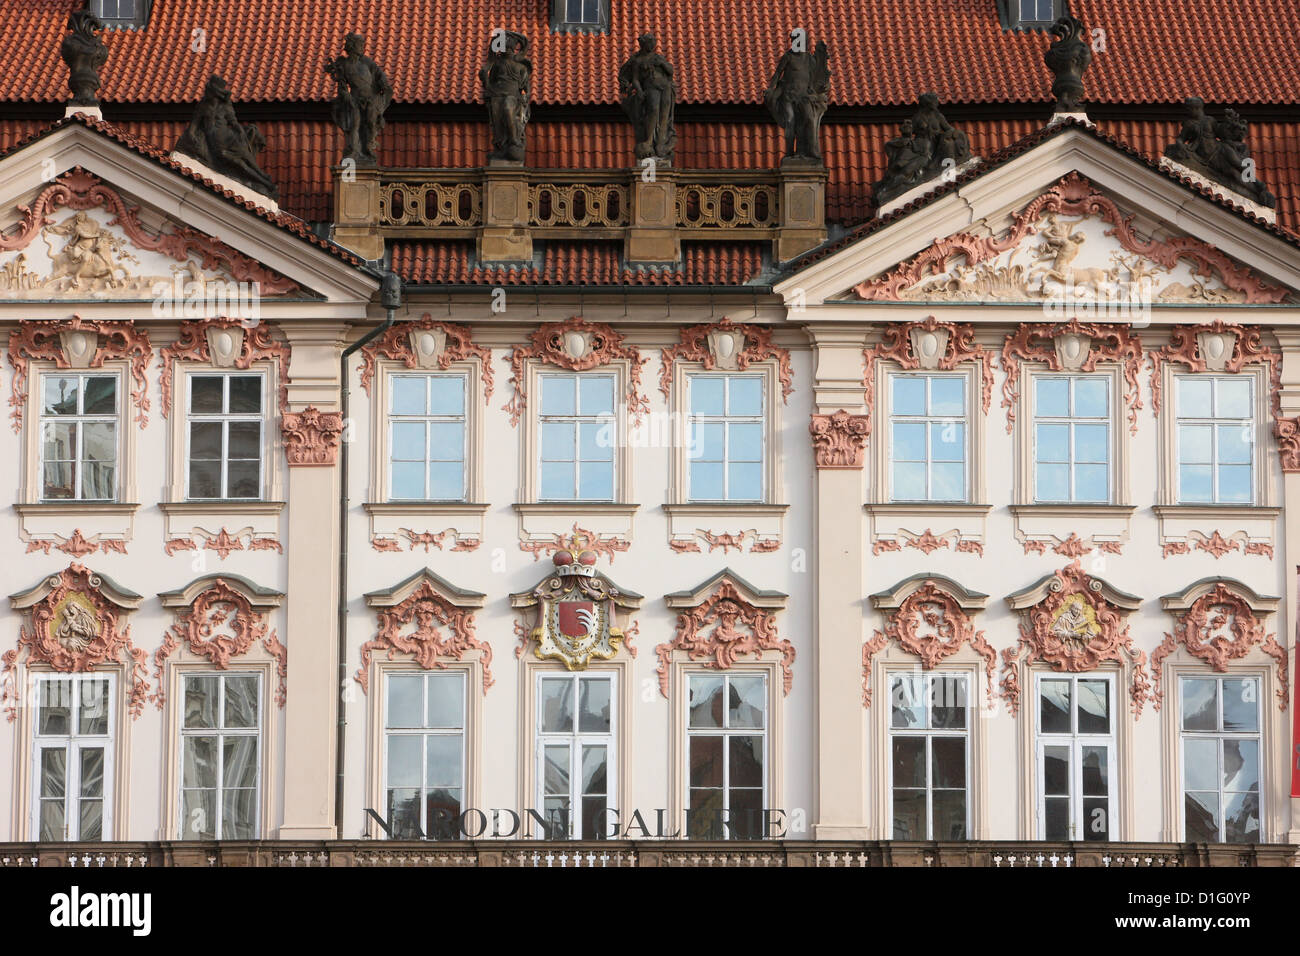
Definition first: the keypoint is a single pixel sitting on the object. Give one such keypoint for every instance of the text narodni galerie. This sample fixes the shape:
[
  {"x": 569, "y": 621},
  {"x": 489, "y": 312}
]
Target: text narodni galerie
[{"x": 474, "y": 824}]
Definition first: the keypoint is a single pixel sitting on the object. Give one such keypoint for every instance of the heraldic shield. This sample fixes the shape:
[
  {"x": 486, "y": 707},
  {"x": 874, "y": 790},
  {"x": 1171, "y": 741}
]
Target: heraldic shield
[{"x": 577, "y": 608}]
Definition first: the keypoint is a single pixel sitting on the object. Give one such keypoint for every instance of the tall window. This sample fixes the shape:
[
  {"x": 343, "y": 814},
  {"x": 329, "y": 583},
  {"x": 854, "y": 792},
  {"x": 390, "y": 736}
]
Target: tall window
[
  {"x": 577, "y": 437},
  {"x": 78, "y": 437},
  {"x": 427, "y": 437},
  {"x": 73, "y": 751},
  {"x": 220, "y": 762},
  {"x": 726, "y": 756},
  {"x": 927, "y": 437},
  {"x": 726, "y": 432},
  {"x": 225, "y": 435},
  {"x": 928, "y": 747},
  {"x": 1220, "y": 735},
  {"x": 575, "y": 753},
  {"x": 1072, "y": 438},
  {"x": 424, "y": 754},
  {"x": 1216, "y": 432},
  {"x": 1076, "y": 758}
]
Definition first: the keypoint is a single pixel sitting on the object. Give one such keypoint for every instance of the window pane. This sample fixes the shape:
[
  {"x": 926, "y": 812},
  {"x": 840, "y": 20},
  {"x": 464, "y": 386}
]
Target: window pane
[
  {"x": 1056, "y": 771},
  {"x": 59, "y": 395},
  {"x": 201, "y": 696},
  {"x": 1096, "y": 772},
  {"x": 1090, "y": 443},
  {"x": 447, "y": 441},
  {"x": 239, "y": 763},
  {"x": 1052, "y": 482},
  {"x": 596, "y": 441},
  {"x": 559, "y": 395},
  {"x": 948, "y": 481},
  {"x": 101, "y": 396},
  {"x": 447, "y": 395},
  {"x": 1234, "y": 483},
  {"x": 596, "y": 395},
  {"x": 408, "y": 479},
  {"x": 244, "y": 440},
  {"x": 407, "y": 395},
  {"x": 198, "y": 814},
  {"x": 58, "y": 480},
  {"x": 909, "y": 480},
  {"x": 1240, "y": 705},
  {"x": 199, "y": 762},
  {"x": 1241, "y": 818},
  {"x": 949, "y": 814},
  {"x": 557, "y": 705},
  {"x": 558, "y": 441},
  {"x": 907, "y": 701},
  {"x": 1056, "y": 818},
  {"x": 705, "y": 701},
  {"x": 909, "y": 814},
  {"x": 447, "y": 480},
  {"x": 207, "y": 394},
  {"x": 1052, "y": 443},
  {"x": 555, "y": 769},
  {"x": 1096, "y": 818},
  {"x": 1233, "y": 397},
  {"x": 748, "y": 701},
  {"x": 948, "y": 441},
  {"x": 1200, "y": 763},
  {"x": 1194, "y": 444},
  {"x": 1235, "y": 443},
  {"x": 238, "y": 813},
  {"x": 909, "y": 761},
  {"x": 909, "y": 441},
  {"x": 241, "y": 701},
  {"x": 446, "y": 705},
  {"x": 245, "y": 394},
  {"x": 746, "y": 397},
  {"x": 205, "y": 440},
  {"x": 745, "y": 481},
  {"x": 404, "y": 760},
  {"x": 1054, "y": 707},
  {"x": 56, "y": 706},
  {"x": 1201, "y": 817},
  {"x": 706, "y": 394},
  {"x": 594, "y": 705},
  {"x": 595, "y": 761},
  {"x": 205, "y": 479},
  {"x": 1090, "y": 483},
  {"x": 706, "y": 480},
  {"x": 1200, "y": 704},
  {"x": 707, "y": 441},
  {"x": 596, "y": 481},
  {"x": 1194, "y": 397},
  {"x": 92, "y": 707},
  {"x": 1090, "y": 397},
  {"x": 947, "y": 396},
  {"x": 948, "y": 762},
  {"x": 408, "y": 441},
  {"x": 746, "y": 756},
  {"x": 745, "y": 819},
  {"x": 745, "y": 442},
  {"x": 1094, "y": 707},
  {"x": 705, "y": 761},
  {"x": 404, "y": 813},
  {"x": 1194, "y": 483},
  {"x": 948, "y": 701},
  {"x": 404, "y": 701},
  {"x": 1051, "y": 397},
  {"x": 91, "y": 823},
  {"x": 54, "y": 774},
  {"x": 443, "y": 761},
  {"x": 908, "y": 395},
  {"x": 1240, "y": 765},
  {"x": 557, "y": 479},
  {"x": 243, "y": 479}
]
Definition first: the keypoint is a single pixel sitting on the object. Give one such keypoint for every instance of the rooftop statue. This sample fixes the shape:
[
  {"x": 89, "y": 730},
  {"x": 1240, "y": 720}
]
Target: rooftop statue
[
  {"x": 1217, "y": 149},
  {"x": 364, "y": 92},
  {"x": 85, "y": 53},
  {"x": 506, "y": 77},
  {"x": 216, "y": 138},
  {"x": 797, "y": 98},
  {"x": 649, "y": 98},
  {"x": 1068, "y": 57},
  {"x": 926, "y": 147}
]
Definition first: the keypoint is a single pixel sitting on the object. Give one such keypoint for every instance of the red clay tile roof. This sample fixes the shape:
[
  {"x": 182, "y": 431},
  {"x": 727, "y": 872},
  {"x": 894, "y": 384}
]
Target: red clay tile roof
[
  {"x": 1226, "y": 51},
  {"x": 285, "y": 220},
  {"x": 572, "y": 263}
]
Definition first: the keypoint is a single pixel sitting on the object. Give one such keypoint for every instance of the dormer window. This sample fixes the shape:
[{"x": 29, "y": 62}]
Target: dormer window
[
  {"x": 1030, "y": 14},
  {"x": 121, "y": 14},
  {"x": 572, "y": 16}
]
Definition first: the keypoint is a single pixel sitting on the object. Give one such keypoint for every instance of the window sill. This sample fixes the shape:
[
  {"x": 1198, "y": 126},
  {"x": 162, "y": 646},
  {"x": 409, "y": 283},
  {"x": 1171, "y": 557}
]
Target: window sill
[
  {"x": 544, "y": 520},
  {"x": 186, "y": 519},
  {"x": 725, "y": 524},
  {"x": 1217, "y": 529},
  {"x": 47, "y": 524},
  {"x": 409, "y": 523},
  {"x": 928, "y": 526},
  {"x": 1072, "y": 530}
]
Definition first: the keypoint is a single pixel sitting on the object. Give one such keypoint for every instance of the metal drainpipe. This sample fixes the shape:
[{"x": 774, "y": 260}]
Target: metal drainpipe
[{"x": 391, "y": 297}]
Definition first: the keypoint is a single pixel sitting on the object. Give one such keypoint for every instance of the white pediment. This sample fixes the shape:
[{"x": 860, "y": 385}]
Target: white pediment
[{"x": 1072, "y": 219}]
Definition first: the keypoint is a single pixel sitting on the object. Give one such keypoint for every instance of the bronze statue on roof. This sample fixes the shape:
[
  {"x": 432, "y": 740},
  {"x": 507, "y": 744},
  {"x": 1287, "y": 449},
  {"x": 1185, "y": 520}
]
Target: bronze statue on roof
[
  {"x": 649, "y": 94},
  {"x": 85, "y": 54},
  {"x": 928, "y": 146},
  {"x": 797, "y": 97},
  {"x": 1216, "y": 148},
  {"x": 506, "y": 77},
  {"x": 217, "y": 139},
  {"x": 363, "y": 93},
  {"x": 1067, "y": 57}
]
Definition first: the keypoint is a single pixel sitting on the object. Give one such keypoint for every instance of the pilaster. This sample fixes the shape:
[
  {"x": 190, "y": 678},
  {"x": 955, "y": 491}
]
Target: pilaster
[{"x": 1289, "y": 340}]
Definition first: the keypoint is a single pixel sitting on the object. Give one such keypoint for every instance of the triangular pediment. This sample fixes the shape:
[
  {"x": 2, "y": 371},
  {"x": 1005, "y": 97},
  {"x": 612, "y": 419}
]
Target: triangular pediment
[
  {"x": 1073, "y": 219},
  {"x": 87, "y": 217}
]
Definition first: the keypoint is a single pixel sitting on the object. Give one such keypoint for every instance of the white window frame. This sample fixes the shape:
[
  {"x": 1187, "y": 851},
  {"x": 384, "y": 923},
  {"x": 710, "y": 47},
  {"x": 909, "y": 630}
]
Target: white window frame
[
  {"x": 578, "y": 419},
  {"x": 927, "y": 420},
  {"x": 1071, "y": 421},
  {"x": 1219, "y": 736},
  {"x": 765, "y": 732},
  {"x": 727, "y": 420},
  {"x": 77, "y": 420},
  {"x": 1076, "y": 742},
  {"x": 72, "y": 743},
  {"x": 220, "y": 732},
  {"x": 262, "y": 418},
  {"x": 929, "y": 733},
  {"x": 1249, "y": 422},
  {"x": 387, "y": 733},
  {"x": 575, "y": 740},
  {"x": 393, "y": 419}
]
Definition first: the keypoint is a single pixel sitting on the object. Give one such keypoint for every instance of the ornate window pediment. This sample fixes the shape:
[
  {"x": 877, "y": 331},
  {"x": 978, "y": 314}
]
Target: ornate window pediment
[
  {"x": 578, "y": 609},
  {"x": 929, "y": 616},
  {"x": 429, "y": 618},
  {"x": 1074, "y": 622},
  {"x": 722, "y": 620},
  {"x": 74, "y": 624},
  {"x": 1219, "y": 620}
]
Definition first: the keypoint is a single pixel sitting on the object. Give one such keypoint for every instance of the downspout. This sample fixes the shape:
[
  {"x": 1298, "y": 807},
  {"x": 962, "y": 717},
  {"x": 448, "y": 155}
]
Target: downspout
[{"x": 391, "y": 297}]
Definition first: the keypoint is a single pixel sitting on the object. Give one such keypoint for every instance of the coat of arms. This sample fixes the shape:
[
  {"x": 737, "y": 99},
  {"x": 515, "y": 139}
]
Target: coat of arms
[{"x": 576, "y": 609}]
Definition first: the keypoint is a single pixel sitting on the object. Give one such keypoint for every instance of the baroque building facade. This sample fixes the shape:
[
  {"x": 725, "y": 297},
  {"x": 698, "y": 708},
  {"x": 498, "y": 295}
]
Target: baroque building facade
[{"x": 674, "y": 506}]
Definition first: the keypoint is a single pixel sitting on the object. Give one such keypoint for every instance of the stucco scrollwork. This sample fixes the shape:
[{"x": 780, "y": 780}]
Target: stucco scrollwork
[
  {"x": 227, "y": 343},
  {"x": 426, "y": 344},
  {"x": 728, "y": 346},
  {"x": 311, "y": 436},
  {"x": 929, "y": 344}
]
